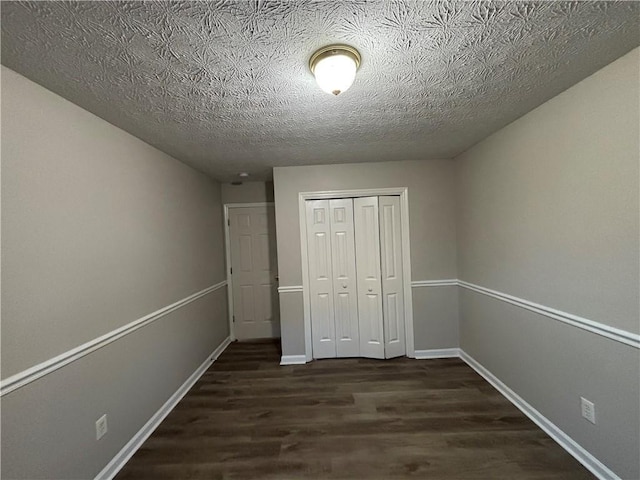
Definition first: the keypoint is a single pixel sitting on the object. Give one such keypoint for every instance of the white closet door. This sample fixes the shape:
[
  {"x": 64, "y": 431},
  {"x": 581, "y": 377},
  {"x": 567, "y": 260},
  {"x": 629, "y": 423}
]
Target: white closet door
[
  {"x": 368, "y": 273},
  {"x": 345, "y": 296},
  {"x": 392, "y": 286},
  {"x": 320, "y": 279}
]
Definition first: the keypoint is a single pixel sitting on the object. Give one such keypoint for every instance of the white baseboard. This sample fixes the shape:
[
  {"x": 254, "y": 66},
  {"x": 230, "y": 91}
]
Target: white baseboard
[
  {"x": 565, "y": 441},
  {"x": 437, "y": 353},
  {"x": 123, "y": 456},
  {"x": 590, "y": 462},
  {"x": 293, "y": 360}
]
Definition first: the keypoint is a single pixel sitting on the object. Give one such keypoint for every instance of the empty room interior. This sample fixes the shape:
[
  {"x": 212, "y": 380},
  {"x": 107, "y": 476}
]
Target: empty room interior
[{"x": 298, "y": 239}]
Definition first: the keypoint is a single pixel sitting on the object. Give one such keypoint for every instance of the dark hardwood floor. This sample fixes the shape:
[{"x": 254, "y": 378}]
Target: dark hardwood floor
[{"x": 248, "y": 417}]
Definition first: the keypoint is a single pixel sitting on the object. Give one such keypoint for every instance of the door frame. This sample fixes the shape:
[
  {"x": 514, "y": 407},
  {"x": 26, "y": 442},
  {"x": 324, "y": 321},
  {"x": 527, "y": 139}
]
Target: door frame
[
  {"x": 227, "y": 254},
  {"x": 403, "y": 192}
]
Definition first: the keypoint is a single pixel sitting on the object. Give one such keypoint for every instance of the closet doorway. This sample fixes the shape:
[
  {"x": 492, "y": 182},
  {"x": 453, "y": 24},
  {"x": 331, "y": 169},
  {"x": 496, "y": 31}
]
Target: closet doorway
[{"x": 357, "y": 278}]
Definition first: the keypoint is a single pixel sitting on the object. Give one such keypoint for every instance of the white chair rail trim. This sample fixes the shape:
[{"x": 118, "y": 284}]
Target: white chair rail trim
[
  {"x": 31, "y": 374},
  {"x": 434, "y": 283},
  {"x": 617, "y": 334},
  {"x": 290, "y": 289}
]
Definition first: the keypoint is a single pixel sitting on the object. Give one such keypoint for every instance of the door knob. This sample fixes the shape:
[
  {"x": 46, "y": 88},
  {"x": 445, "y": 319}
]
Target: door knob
[
  {"x": 344, "y": 285},
  {"x": 370, "y": 289}
]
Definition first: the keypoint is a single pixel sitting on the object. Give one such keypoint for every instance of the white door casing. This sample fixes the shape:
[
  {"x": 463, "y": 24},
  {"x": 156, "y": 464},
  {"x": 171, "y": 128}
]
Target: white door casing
[
  {"x": 392, "y": 278},
  {"x": 321, "y": 279},
  {"x": 253, "y": 271},
  {"x": 403, "y": 193},
  {"x": 345, "y": 296},
  {"x": 368, "y": 274}
]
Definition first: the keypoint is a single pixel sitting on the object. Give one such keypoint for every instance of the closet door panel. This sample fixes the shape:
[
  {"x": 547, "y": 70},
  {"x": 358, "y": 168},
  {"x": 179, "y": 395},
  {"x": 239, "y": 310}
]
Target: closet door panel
[
  {"x": 369, "y": 277},
  {"x": 392, "y": 276},
  {"x": 344, "y": 277},
  {"x": 320, "y": 279}
]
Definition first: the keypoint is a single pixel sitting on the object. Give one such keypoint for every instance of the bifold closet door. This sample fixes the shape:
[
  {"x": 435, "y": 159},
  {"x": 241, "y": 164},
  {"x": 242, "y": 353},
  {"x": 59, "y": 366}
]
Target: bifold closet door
[
  {"x": 356, "y": 277},
  {"x": 392, "y": 276},
  {"x": 367, "y": 234},
  {"x": 323, "y": 331},
  {"x": 345, "y": 299}
]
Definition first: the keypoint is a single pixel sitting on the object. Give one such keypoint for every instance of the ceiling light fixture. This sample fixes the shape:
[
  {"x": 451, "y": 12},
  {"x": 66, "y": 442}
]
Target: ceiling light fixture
[{"x": 335, "y": 67}]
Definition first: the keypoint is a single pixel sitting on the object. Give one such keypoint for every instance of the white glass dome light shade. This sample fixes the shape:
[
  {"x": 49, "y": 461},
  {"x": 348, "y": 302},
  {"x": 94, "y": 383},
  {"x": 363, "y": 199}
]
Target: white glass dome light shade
[
  {"x": 335, "y": 74},
  {"x": 335, "y": 68}
]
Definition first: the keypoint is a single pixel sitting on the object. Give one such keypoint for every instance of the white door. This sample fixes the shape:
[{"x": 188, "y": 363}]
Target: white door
[
  {"x": 344, "y": 278},
  {"x": 368, "y": 276},
  {"x": 323, "y": 332},
  {"x": 392, "y": 278},
  {"x": 254, "y": 272}
]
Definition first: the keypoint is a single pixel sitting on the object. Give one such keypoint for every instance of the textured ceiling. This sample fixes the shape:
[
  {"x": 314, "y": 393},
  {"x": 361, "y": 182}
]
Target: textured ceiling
[{"x": 224, "y": 85}]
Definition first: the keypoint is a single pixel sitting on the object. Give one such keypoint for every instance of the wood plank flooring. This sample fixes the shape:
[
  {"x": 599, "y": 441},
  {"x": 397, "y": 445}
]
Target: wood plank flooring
[{"x": 249, "y": 418}]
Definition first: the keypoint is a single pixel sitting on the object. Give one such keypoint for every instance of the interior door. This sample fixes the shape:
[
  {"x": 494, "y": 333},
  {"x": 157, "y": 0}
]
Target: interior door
[
  {"x": 344, "y": 278},
  {"x": 254, "y": 272},
  {"x": 367, "y": 235},
  {"x": 323, "y": 332},
  {"x": 392, "y": 278}
]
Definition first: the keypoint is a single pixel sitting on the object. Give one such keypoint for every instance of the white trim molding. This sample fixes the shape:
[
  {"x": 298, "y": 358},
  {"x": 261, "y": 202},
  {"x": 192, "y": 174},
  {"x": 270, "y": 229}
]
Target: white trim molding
[
  {"x": 290, "y": 289},
  {"x": 437, "y": 353},
  {"x": 434, "y": 283},
  {"x": 121, "y": 458},
  {"x": 590, "y": 462},
  {"x": 622, "y": 336},
  {"x": 403, "y": 193},
  {"x": 31, "y": 374},
  {"x": 254, "y": 204},
  {"x": 363, "y": 192},
  {"x": 293, "y": 360}
]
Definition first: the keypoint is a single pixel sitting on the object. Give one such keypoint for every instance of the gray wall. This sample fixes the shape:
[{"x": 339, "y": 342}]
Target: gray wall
[
  {"x": 548, "y": 211},
  {"x": 433, "y": 238},
  {"x": 99, "y": 229},
  {"x": 248, "y": 192}
]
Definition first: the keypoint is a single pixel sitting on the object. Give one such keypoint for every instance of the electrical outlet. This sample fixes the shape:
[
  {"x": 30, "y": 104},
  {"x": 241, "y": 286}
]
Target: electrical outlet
[
  {"x": 101, "y": 426},
  {"x": 588, "y": 410}
]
